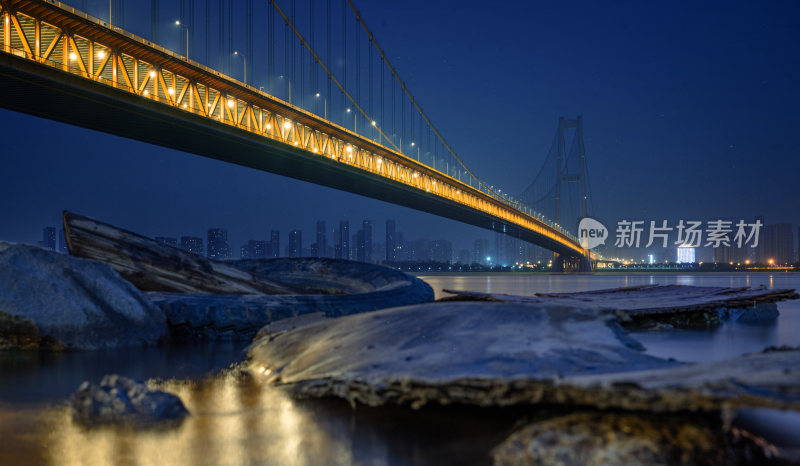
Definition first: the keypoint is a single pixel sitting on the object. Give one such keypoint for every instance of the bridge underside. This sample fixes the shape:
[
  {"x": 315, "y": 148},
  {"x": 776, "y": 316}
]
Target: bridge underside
[{"x": 39, "y": 90}]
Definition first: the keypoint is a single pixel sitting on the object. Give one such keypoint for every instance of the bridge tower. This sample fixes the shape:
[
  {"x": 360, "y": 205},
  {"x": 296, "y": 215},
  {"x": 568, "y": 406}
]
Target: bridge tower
[{"x": 563, "y": 176}]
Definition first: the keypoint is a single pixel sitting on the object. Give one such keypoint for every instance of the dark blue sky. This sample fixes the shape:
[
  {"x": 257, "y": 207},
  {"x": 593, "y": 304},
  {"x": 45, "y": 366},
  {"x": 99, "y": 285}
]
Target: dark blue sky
[{"x": 690, "y": 111}]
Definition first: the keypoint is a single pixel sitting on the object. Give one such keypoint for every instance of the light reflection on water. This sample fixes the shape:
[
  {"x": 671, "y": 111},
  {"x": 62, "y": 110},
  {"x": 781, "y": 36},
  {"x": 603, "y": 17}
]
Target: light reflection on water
[{"x": 233, "y": 422}]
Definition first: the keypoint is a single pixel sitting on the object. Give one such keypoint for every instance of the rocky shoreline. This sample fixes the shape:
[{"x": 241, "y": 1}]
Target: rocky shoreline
[{"x": 373, "y": 336}]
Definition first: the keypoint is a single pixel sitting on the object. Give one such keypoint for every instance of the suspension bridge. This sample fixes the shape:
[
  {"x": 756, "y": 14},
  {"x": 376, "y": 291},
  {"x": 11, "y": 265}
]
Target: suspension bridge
[{"x": 309, "y": 120}]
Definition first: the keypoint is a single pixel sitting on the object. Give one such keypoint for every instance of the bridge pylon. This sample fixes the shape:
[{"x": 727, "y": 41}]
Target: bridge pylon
[{"x": 561, "y": 264}]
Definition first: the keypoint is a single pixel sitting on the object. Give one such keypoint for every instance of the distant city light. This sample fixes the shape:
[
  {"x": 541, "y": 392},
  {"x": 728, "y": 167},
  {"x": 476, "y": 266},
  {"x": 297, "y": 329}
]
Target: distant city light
[
  {"x": 686, "y": 254},
  {"x": 101, "y": 54},
  {"x": 72, "y": 56}
]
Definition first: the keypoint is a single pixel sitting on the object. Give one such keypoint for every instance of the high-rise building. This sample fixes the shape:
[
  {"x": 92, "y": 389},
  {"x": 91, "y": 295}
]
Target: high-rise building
[
  {"x": 401, "y": 251},
  {"x": 367, "y": 227},
  {"x": 274, "y": 244},
  {"x": 480, "y": 252},
  {"x": 49, "y": 238},
  {"x": 441, "y": 251},
  {"x": 391, "y": 252},
  {"x": 322, "y": 240},
  {"x": 192, "y": 244},
  {"x": 778, "y": 244},
  {"x": 686, "y": 254},
  {"x": 254, "y": 249},
  {"x": 344, "y": 240},
  {"x": 62, "y": 242},
  {"x": 358, "y": 242},
  {"x": 218, "y": 248},
  {"x": 463, "y": 256},
  {"x": 167, "y": 241},
  {"x": 295, "y": 248}
]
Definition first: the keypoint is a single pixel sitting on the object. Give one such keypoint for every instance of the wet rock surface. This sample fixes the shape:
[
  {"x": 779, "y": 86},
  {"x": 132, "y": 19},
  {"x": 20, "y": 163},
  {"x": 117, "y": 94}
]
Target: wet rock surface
[
  {"x": 52, "y": 301},
  {"x": 614, "y": 438},
  {"x": 453, "y": 352},
  {"x": 119, "y": 400},
  {"x": 501, "y": 354}
]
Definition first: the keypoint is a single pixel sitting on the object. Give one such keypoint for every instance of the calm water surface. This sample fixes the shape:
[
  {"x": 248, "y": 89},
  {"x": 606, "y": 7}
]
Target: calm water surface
[{"x": 236, "y": 422}]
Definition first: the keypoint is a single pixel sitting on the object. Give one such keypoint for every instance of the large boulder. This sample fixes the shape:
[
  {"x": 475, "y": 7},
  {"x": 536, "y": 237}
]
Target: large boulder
[
  {"x": 461, "y": 352},
  {"x": 503, "y": 354},
  {"x": 612, "y": 438},
  {"x": 57, "y": 301},
  {"x": 119, "y": 400}
]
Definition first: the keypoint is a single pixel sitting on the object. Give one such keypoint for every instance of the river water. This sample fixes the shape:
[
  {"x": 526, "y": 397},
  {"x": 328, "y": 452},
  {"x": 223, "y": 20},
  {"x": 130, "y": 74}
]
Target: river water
[{"x": 235, "y": 422}]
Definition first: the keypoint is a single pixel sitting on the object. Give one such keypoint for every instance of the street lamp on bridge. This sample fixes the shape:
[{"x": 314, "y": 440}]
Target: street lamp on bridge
[
  {"x": 290, "y": 86},
  {"x": 325, "y": 99},
  {"x": 244, "y": 59},
  {"x": 178, "y": 23},
  {"x": 355, "y": 130}
]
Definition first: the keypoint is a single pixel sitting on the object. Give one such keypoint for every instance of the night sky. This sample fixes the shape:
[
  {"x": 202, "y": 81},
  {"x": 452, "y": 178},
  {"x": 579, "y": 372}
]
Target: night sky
[{"x": 690, "y": 111}]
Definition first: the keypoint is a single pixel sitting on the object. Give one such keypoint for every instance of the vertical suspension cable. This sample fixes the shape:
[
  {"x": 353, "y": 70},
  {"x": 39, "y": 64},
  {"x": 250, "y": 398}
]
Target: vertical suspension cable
[
  {"x": 394, "y": 126},
  {"x": 358, "y": 68},
  {"x": 271, "y": 51},
  {"x": 303, "y": 94},
  {"x": 345, "y": 94},
  {"x": 369, "y": 80},
  {"x": 415, "y": 104},
  {"x": 182, "y": 19},
  {"x": 191, "y": 16},
  {"x": 314, "y": 70},
  {"x": 344, "y": 50},
  {"x": 153, "y": 18},
  {"x": 221, "y": 43},
  {"x": 230, "y": 38},
  {"x": 293, "y": 46},
  {"x": 208, "y": 32},
  {"x": 249, "y": 39},
  {"x": 328, "y": 44},
  {"x": 286, "y": 62}
]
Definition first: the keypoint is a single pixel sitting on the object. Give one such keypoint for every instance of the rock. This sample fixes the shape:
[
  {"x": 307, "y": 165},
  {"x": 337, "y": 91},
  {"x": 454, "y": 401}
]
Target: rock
[
  {"x": 434, "y": 352},
  {"x": 350, "y": 287},
  {"x": 613, "y": 438},
  {"x": 119, "y": 400},
  {"x": 503, "y": 354},
  {"x": 653, "y": 306},
  {"x": 19, "y": 333},
  {"x": 51, "y": 300}
]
